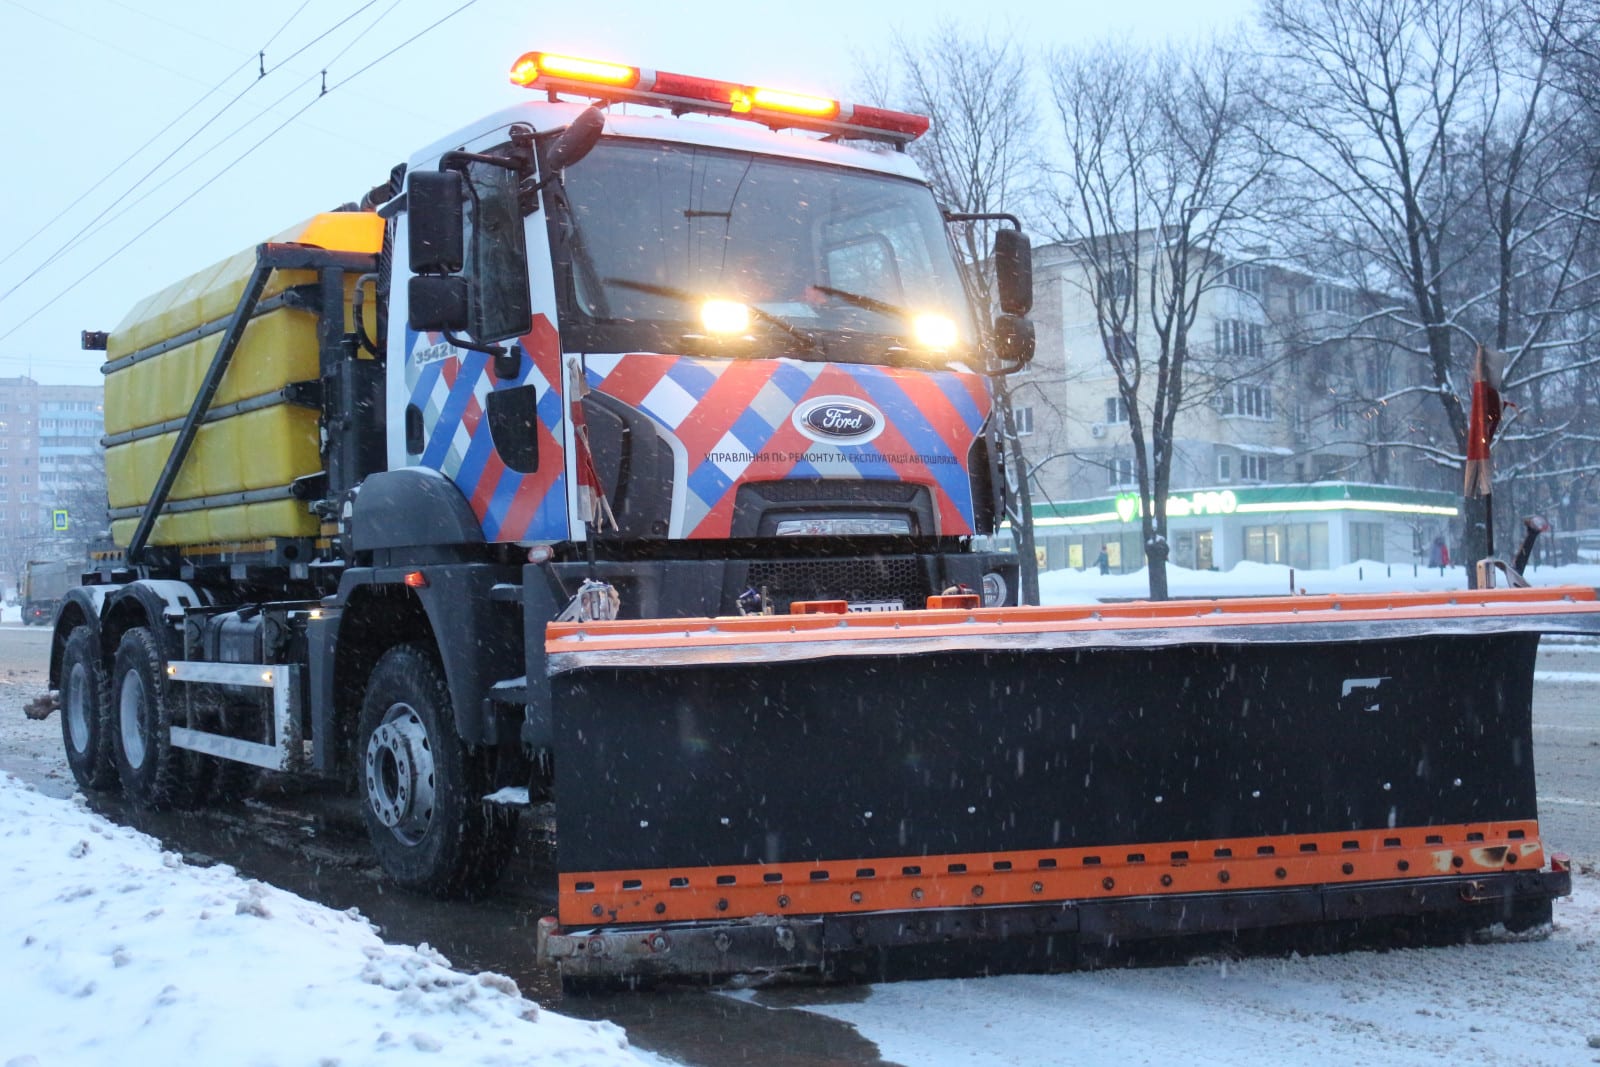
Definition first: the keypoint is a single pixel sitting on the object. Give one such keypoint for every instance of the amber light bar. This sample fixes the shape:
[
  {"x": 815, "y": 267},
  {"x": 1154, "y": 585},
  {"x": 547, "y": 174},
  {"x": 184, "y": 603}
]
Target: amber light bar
[{"x": 776, "y": 108}]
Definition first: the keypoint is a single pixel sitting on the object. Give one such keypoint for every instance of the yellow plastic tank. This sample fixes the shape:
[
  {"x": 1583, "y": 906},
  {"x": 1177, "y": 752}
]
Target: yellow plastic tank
[{"x": 266, "y": 448}]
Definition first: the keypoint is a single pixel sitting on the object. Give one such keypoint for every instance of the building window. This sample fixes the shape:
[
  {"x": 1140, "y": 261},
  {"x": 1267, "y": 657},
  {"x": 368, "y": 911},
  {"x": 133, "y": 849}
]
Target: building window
[
  {"x": 1341, "y": 417},
  {"x": 1022, "y": 419},
  {"x": 1235, "y": 337},
  {"x": 1241, "y": 401},
  {"x": 1252, "y": 468},
  {"x": 1329, "y": 298},
  {"x": 1120, "y": 473},
  {"x": 1225, "y": 468},
  {"x": 1366, "y": 541},
  {"x": 1250, "y": 278},
  {"x": 1377, "y": 377},
  {"x": 1116, "y": 409},
  {"x": 1118, "y": 283},
  {"x": 1301, "y": 545}
]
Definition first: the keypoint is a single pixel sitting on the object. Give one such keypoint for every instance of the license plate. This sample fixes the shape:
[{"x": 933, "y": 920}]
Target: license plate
[{"x": 877, "y": 605}]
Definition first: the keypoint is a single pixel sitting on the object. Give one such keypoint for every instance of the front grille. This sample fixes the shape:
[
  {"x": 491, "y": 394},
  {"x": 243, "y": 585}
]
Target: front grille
[{"x": 875, "y": 578}]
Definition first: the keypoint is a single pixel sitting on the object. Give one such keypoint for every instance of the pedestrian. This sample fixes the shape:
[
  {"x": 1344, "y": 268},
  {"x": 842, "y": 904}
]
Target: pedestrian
[
  {"x": 1103, "y": 561},
  {"x": 1439, "y": 554}
]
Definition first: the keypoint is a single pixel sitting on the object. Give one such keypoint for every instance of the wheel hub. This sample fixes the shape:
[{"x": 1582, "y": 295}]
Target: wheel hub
[
  {"x": 130, "y": 717},
  {"x": 78, "y": 707},
  {"x": 399, "y": 774}
]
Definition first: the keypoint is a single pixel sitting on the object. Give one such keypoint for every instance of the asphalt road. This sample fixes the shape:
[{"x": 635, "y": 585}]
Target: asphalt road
[{"x": 307, "y": 838}]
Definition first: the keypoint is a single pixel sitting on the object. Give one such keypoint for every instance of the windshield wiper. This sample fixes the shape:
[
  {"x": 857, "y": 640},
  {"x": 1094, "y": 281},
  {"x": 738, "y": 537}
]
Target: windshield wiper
[
  {"x": 808, "y": 341},
  {"x": 861, "y": 301}
]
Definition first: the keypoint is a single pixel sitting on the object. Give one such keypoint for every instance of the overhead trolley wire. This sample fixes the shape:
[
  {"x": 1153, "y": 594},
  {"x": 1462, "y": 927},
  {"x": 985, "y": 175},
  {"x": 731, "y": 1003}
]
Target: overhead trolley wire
[
  {"x": 72, "y": 241},
  {"x": 186, "y": 167},
  {"x": 247, "y": 152},
  {"x": 108, "y": 175}
]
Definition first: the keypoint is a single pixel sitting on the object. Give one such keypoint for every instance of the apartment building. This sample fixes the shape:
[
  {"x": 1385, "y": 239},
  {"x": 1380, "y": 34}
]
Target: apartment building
[
  {"x": 1294, "y": 442},
  {"x": 52, "y": 474}
]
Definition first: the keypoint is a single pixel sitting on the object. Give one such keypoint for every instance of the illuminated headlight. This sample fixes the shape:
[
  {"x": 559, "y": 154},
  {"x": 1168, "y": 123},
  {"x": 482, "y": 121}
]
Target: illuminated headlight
[
  {"x": 934, "y": 331},
  {"x": 994, "y": 590},
  {"x": 848, "y": 527},
  {"x": 725, "y": 317}
]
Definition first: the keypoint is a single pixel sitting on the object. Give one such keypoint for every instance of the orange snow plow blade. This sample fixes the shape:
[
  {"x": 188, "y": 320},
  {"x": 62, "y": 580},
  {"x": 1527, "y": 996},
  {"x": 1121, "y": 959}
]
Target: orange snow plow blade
[{"x": 974, "y": 790}]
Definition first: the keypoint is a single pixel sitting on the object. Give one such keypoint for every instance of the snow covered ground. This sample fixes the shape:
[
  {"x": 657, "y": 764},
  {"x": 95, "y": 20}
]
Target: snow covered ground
[
  {"x": 1267, "y": 579},
  {"x": 115, "y": 952}
]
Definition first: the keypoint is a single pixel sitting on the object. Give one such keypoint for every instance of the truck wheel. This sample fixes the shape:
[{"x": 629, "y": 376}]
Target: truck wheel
[
  {"x": 154, "y": 774},
  {"x": 422, "y": 788},
  {"x": 85, "y": 724}
]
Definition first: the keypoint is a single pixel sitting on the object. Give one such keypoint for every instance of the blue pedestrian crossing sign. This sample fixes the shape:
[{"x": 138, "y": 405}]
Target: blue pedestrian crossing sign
[{"x": 58, "y": 520}]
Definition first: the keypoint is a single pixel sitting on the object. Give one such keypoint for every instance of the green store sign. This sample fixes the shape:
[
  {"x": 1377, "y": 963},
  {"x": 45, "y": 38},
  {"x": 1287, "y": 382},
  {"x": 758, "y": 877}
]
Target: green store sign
[{"x": 1206, "y": 502}]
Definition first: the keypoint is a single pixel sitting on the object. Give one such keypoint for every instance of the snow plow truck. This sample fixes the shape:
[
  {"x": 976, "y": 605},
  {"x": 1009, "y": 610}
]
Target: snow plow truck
[{"x": 638, "y": 463}]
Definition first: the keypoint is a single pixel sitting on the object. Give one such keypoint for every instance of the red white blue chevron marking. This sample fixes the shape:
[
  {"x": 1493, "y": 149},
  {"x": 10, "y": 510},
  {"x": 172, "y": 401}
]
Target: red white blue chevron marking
[{"x": 733, "y": 419}]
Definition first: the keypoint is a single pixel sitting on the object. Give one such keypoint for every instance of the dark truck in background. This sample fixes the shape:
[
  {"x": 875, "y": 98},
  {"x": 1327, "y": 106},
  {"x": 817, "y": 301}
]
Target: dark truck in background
[{"x": 44, "y": 584}]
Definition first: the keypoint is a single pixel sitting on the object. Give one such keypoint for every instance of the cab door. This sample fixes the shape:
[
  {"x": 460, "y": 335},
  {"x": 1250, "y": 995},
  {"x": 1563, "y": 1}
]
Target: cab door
[{"x": 492, "y": 427}]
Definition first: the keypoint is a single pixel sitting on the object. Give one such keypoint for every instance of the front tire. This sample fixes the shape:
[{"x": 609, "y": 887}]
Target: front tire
[
  {"x": 422, "y": 789},
  {"x": 85, "y": 713}
]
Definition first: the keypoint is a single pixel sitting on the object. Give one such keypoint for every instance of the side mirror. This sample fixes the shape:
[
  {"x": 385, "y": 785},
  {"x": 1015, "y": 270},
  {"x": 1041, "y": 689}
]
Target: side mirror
[
  {"x": 434, "y": 202},
  {"x": 1013, "y": 269},
  {"x": 576, "y": 141},
  {"x": 436, "y": 302},
  {"x": 1013, "y": 342}
]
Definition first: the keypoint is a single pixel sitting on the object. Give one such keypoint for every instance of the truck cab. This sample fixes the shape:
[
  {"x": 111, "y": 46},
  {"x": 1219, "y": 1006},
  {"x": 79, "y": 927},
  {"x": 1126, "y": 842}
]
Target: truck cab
[{"x": 747, "y": 373}]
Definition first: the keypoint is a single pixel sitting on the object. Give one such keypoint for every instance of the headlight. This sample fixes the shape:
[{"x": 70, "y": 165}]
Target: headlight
[
  {"x": 725, "y": 317},
  {"x": 994, "y": 590},
  {"x": 934, "y": 331}
]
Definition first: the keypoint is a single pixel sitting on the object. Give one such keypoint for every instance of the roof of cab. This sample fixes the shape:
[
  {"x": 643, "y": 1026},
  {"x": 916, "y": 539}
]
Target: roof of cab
[{"x": 715, "y": 132}]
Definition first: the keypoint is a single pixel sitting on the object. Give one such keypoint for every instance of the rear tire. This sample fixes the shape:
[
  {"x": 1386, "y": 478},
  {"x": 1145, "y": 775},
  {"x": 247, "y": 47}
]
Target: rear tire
[
  {"x": 422, "y": 789},
  {"x": 141, "y": 712},
  {"x": 85, "y": 712}
]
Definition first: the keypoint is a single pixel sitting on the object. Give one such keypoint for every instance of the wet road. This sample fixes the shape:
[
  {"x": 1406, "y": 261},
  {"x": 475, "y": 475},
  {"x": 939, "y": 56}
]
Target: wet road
[{"x": 308, "y": 838}]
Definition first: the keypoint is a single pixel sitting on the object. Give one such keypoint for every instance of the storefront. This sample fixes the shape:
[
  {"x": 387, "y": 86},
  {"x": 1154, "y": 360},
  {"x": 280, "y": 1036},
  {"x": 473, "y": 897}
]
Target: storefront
[{"x": 1311, "y": 527}]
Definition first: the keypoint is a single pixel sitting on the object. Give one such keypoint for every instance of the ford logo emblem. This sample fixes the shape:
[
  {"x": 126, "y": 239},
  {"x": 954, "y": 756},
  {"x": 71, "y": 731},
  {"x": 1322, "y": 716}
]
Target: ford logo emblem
[{"x": 838, "y": 420}]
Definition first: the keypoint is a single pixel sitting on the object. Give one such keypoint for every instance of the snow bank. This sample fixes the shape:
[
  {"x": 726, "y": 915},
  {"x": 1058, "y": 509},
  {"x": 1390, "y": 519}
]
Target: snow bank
[
  {"x": 1513, "y": 1003},
  {"x": 1270, "y": 579},
  {"x": 112, "y": 951}
]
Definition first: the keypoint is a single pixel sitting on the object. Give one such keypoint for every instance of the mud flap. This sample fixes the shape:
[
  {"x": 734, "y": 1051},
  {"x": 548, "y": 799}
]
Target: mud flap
[{"x": 727, "y": 772}]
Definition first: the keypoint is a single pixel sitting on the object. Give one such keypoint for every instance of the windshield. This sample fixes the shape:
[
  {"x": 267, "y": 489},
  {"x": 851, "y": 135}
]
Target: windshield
[{"x": 832, "y": 263}]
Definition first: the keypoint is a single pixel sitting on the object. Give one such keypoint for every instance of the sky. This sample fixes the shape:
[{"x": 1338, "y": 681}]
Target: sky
[{"x": 145, "y": 144}]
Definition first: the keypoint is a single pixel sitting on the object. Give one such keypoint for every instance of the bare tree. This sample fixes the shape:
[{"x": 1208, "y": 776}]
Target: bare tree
[
  {"x": 979, "y": 155},
  {"x": 1434, "y": 172},
  {"x": 1162, "y": 167}
]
